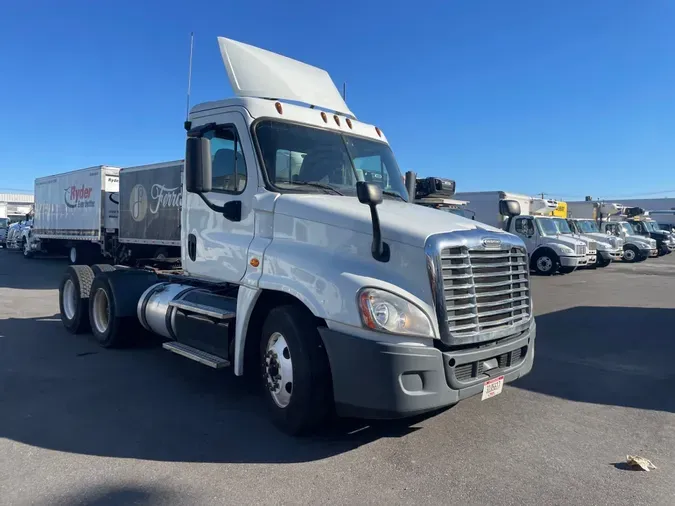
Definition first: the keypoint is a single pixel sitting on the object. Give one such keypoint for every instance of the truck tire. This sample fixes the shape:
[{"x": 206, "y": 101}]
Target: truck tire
[
  {"x": 113, "y": 305},
  {"x": 566, "y": 270},
  {"x": 99, "y": 268},
  {"x": 545, "y": 262},
  {"x": 631, "y": 253},
  {"x": 295, "y": 370},
  {"x": 601, "y": 262},
  {"x": 663, "y": 250},
  {"x": 74, "y": 298},
  {"x": 109, "y": 329}
]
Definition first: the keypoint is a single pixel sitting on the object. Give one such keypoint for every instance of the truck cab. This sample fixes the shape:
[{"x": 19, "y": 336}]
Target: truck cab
[
  {"x": 636, "y": 248},
  {"x": 609, "y": 247},
  {"x": 4, "y": 226},
  {"x": 550, "y": 249},
  {"x": 307, "y": 265},
  {"x": 646, "y": 227}
]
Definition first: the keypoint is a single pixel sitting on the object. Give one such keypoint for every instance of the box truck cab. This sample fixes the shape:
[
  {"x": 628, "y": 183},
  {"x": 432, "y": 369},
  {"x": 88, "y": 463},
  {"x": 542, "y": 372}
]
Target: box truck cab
[
  {"x": 609, "y": 247},
  {"x": 332, "y": 291},
  {"x": 548, "y": 250},
  {"x": 636, "y": 248},
  {"x": 647, "y": 227}
]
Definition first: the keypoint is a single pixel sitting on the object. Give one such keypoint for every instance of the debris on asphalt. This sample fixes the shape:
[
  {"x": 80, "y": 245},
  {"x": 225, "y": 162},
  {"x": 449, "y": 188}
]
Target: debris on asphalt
[{"x": 641, "y": 462}]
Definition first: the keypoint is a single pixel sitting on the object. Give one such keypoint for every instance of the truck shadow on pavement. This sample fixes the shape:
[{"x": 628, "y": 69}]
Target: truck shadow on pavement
[
  {"x": 620, "y": 356},
  {"x": 65, "y": 393},
  {"x": 41, "y": 273}
]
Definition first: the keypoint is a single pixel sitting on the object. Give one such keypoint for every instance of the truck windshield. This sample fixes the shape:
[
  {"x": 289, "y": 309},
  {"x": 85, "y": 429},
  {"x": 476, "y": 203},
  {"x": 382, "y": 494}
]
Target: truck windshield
[
  {"x": 547, "y": 226},
  {"x": 562, "y": 225},
  {"x": 627, "y": 228},
  {"x": 652, "y": 226},
  {"x": 307, "y": 159},
  {"x": 588, "y": 227}
]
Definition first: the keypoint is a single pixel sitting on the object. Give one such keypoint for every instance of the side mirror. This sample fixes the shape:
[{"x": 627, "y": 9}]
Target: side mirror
[
  {"x": 371, "y": 195},
  {"x": 198, "y": 165},
  {"x": 509, "y": 208}
]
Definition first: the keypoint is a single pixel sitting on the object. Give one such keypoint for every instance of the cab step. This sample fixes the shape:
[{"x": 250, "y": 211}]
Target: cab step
[
  {"x": 197, "y": 308},
  {"x": 197, "y": 355}
]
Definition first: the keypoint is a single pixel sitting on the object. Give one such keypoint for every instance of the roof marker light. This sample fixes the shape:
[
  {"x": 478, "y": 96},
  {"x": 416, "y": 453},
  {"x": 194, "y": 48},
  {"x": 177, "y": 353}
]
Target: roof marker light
[
  {"x": 324, "y": 117},
  {"x": 349, "y": 123},
  {"x": 379, "y": 132},
  {"x": 337, "y": 119},
  {"x": 280, "y": 110}
]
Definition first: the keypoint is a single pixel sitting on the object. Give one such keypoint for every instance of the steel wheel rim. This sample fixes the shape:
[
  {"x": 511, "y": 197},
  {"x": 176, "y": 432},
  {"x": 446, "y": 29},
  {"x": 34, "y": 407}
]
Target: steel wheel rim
[
  {"x": 73, "y": 255},
  {"x": 544, "y": 264},
  {"x": 629, "y": 255},
  {"x": 69, "y": 299},
  {"x": 101, "y": 311},
  {"x": 279, "y": 370}
]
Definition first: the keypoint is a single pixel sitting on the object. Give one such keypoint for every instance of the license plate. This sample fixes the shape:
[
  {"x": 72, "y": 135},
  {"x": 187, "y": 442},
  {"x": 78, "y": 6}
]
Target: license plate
[{"x": 492, "y": 387}]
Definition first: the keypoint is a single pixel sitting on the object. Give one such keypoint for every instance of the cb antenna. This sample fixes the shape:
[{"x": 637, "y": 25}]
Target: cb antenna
[{"x": 188, "y": 123}]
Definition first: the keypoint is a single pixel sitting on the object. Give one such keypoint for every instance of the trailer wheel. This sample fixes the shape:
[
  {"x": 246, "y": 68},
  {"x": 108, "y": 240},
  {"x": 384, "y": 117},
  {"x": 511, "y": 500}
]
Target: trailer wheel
[
  {"x": 295, "y": 370},
  {"x": 109, "y": 329},
  {"x": 545, "y": 262},
  {"x": 74, "y": 298},
  {"x": 631, "y": 253}
]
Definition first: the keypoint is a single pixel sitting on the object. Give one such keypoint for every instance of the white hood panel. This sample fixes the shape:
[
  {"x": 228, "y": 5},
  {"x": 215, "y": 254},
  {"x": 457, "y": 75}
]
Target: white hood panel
[{"x": 402, "y": 222}]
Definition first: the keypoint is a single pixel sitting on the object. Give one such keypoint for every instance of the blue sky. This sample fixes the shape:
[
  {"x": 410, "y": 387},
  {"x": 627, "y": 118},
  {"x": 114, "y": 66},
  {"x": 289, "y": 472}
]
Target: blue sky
[{"x": 569, "y": 98}]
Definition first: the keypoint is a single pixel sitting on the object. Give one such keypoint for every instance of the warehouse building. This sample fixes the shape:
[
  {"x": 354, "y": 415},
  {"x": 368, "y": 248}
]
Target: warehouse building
[
  {"x": 657, "y": 204},
  {"x": 15, "y": 206}
]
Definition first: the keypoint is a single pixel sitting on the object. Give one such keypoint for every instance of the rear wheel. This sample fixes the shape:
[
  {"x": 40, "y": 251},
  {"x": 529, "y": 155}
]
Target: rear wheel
[
  {"x": 74, "y": 298},
  {"x": 295, "y": 370},
  {"x": 109, "y": 329}
]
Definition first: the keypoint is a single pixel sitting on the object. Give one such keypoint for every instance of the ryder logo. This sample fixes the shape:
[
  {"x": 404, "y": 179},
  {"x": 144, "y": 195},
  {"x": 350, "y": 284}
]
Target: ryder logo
[{"x": 78, "y": 197}]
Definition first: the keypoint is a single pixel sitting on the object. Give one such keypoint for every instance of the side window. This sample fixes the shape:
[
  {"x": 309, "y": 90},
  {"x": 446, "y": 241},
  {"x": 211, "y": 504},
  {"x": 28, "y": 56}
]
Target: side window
[
  {"x": 524, "y": 226},
  {"x": 373, "y": 170},
  {"x": 228, "y": 172}
]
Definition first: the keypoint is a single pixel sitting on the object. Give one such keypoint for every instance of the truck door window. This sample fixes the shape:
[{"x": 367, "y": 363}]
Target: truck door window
[
  {"x": 227, "y": 160},
  {"x": 524, "y": 227}
]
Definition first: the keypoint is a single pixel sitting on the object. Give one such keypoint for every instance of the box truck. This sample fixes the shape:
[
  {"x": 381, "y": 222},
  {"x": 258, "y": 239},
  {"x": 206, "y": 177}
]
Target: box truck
[
  {"x": 323, "y": 281},
  {"x": 107, "y": 213},
  {"x": 548, "y": 251}
]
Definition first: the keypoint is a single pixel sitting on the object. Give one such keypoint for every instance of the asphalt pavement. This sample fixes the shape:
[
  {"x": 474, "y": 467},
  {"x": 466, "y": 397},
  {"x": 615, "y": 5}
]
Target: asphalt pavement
[{"x": 84, "y": 425}]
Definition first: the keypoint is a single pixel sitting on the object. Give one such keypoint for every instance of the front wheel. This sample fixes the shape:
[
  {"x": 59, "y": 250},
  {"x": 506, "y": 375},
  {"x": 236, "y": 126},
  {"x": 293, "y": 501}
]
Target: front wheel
[
  {"x": 602, "y": 262},
  {"x": 663, "y": 250},
  {"x": 631, "y": 253},
  {"x": 295, "y": 370},
  {"x": 545, "y": 263},
  {"x": 567, "y": 270}
]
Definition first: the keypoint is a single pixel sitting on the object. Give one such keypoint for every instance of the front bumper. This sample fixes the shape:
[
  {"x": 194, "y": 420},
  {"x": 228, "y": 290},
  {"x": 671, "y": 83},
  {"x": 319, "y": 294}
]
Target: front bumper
[
  {"x": 616, "y": 254},
  {"x": 591, "y": 258},
  {"x": 653, "y": 252},
  {"x": 574, "y": 261},
  {"x": 382, "y": 380}
]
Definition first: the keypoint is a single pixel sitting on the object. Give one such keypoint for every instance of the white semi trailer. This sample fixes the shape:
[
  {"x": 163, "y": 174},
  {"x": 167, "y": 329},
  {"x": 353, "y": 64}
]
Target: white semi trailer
[{"x": 321, "y": 280}]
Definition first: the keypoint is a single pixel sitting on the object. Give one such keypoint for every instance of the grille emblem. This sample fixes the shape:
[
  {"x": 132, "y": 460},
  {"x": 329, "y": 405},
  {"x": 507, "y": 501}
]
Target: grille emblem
[{"x": 489, "y": 243}]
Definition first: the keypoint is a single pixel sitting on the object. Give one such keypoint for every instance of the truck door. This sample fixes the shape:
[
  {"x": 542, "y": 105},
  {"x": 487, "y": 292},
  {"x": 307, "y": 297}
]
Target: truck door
[
  {"x": 524, "y": 227},
  {"x": 216, "y": 246}
]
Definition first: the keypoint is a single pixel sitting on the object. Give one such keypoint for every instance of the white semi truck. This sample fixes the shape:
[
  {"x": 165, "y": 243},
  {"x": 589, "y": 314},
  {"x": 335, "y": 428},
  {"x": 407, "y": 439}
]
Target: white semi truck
[
  {"x": 322, "y": 280},
  {"x": 612, "y": 222},
  {"x": 120, "y": 215},
  {"x": 610, "y": 247},
  {"x": 549, "y": 250}
]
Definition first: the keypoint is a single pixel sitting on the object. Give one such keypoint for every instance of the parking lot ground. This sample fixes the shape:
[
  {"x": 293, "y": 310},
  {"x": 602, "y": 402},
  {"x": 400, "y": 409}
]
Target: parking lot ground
[{"x": 83, "y": 425}]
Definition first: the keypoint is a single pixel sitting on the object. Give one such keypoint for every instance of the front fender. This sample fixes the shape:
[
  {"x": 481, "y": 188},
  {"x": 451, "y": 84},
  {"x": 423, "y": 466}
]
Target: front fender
[{"x": 328, "y": 268}]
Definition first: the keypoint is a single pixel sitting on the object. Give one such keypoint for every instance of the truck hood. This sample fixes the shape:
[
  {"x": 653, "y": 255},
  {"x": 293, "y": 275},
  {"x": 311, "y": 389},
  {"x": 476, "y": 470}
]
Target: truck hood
[
  {"x": 603, "y": 238},
  {"x": 399, "y": 221},
  {"x": 568, "y": 241}
]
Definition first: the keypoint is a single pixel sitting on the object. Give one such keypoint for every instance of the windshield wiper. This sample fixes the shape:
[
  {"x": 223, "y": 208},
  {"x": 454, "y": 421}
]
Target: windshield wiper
[
  {"x": 317, "y": 185},
  {"x": 393, "y": 194}
]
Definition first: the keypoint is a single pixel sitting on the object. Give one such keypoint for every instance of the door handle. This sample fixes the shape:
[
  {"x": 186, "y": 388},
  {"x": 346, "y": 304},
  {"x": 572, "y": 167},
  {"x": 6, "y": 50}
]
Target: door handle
[{"x": 192, "y": 247}]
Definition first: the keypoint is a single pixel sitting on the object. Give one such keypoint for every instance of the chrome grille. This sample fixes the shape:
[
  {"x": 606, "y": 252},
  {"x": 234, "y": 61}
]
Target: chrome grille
[
  {"x": 581, "y": 249},
  {"x": 484, "y": 290},
  {"x": 592, "y": 245}
]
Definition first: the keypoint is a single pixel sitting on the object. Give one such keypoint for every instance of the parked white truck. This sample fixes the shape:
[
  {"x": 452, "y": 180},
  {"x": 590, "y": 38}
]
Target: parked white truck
[
  {"x": 612, "y": 222},
  {"x": 549, "y": 251},
  {"x": 103, "y": 212},
  {"x": 610, "y": 247},
  {"x": 330, "y": 290}
]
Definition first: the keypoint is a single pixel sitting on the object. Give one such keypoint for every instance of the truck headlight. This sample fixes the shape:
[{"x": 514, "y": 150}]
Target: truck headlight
[
  {"x": 566, "y": 250},
  {"x": 384, "y": 311}
]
